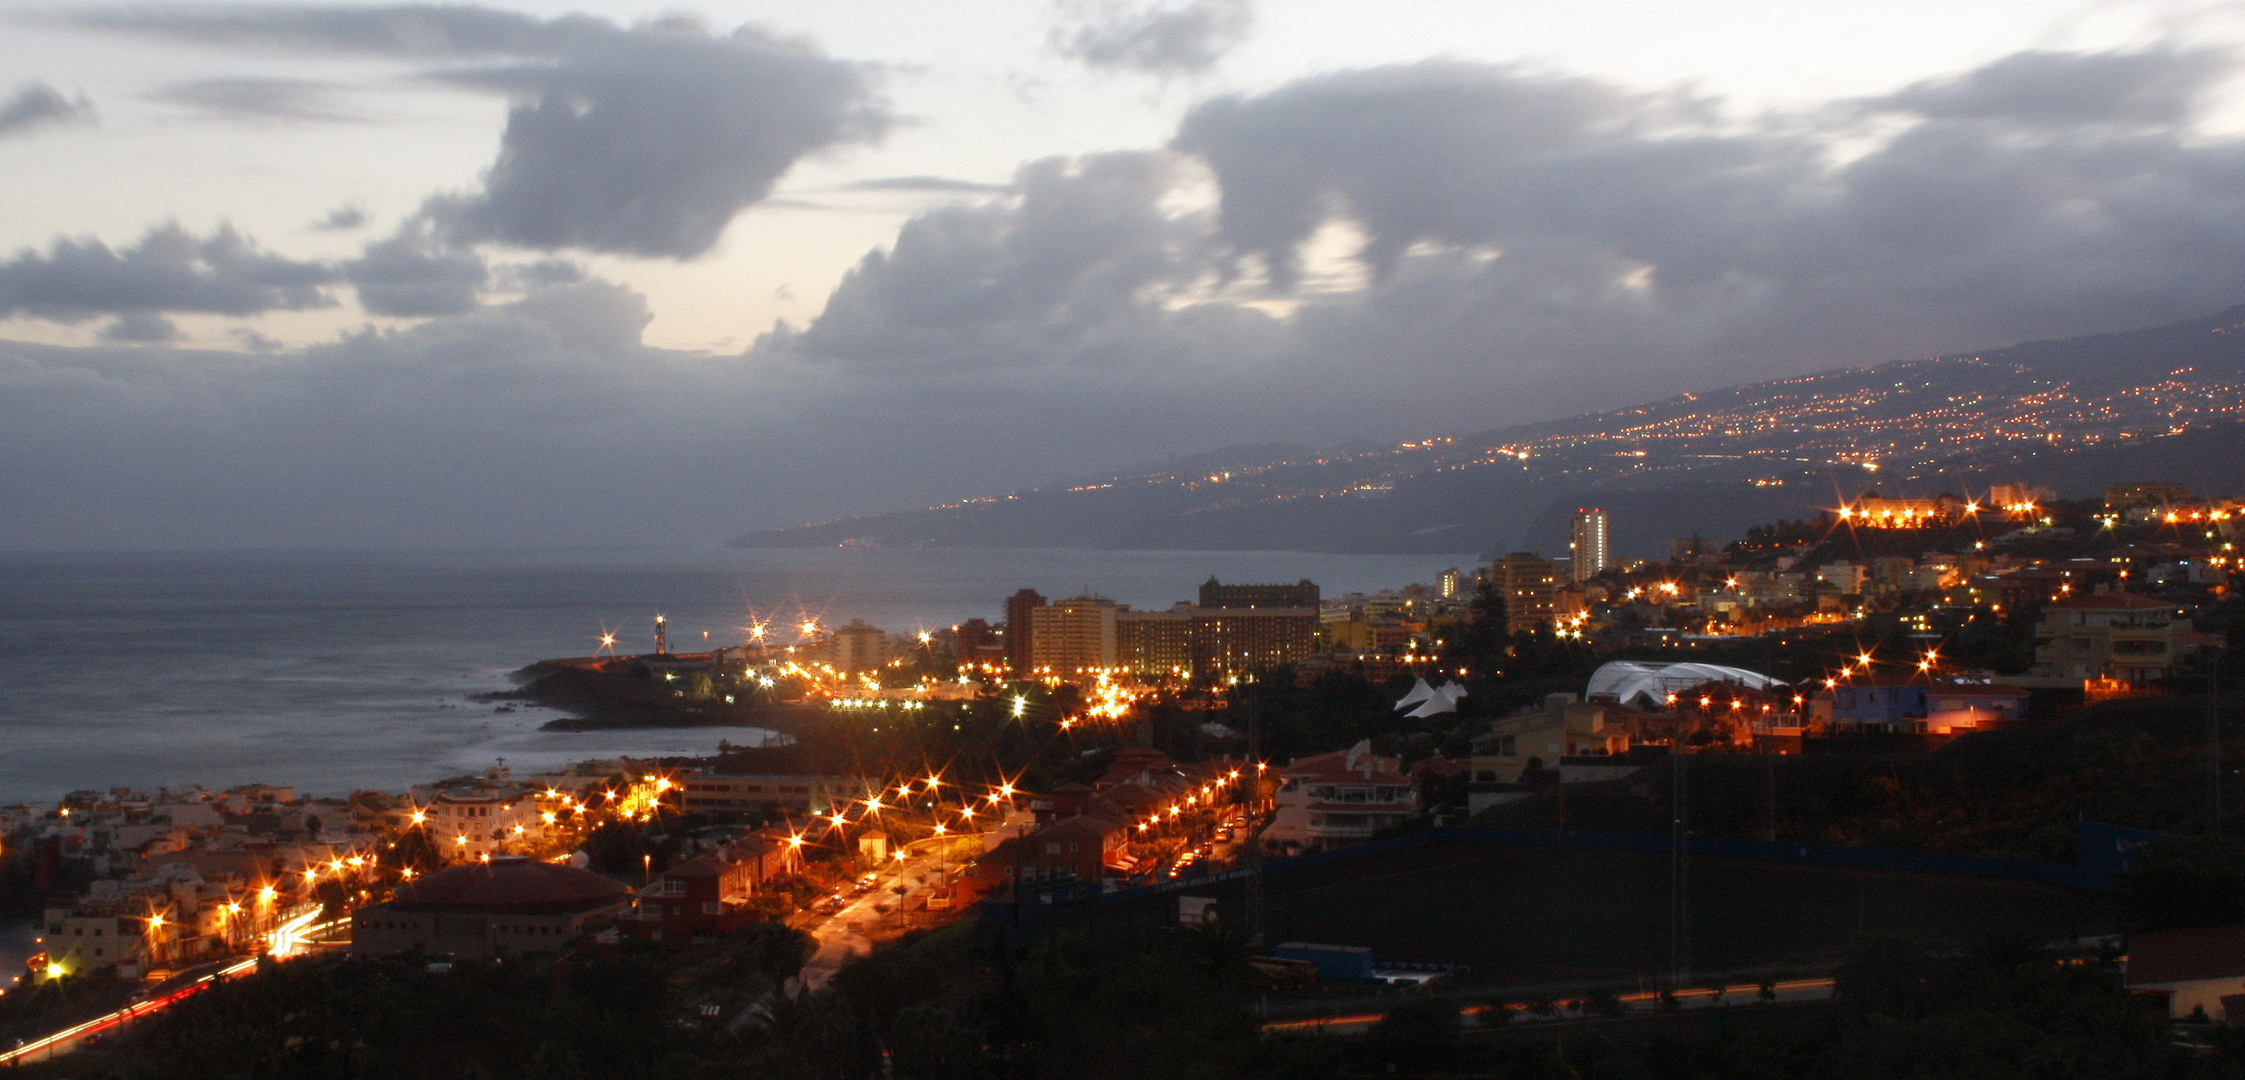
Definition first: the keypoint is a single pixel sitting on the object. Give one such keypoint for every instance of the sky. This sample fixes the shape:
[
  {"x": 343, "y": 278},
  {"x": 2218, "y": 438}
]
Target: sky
[{"x": 318, "y": 275}]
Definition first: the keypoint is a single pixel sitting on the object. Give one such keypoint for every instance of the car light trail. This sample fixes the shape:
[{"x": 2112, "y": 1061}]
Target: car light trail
[
  {"x": 1801, "y": 989},
  {"x": 61, "y": 1040}
]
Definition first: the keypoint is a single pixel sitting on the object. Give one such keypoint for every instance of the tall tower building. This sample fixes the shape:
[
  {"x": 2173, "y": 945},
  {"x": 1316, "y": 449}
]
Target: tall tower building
[
  {"x": 1530, "y": 586},
  {"x": 1586, "y": 544},
  {"x": 1069, "y": 637},
  {"x": 1021, "y": 630}
]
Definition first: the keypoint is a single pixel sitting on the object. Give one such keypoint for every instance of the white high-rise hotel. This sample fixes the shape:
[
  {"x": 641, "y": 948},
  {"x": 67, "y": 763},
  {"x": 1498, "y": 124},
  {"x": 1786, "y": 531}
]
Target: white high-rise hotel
[{"x": 1586, "y": 543}]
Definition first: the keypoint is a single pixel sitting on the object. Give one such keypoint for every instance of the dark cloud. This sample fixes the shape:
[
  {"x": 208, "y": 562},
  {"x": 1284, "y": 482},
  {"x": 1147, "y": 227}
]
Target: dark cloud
[
  {"x": 260, "y": 99},
  {"x": 140, "y": 327},
  {"x": 1180, "y": 39},
  {"x": 342, "y": 219},
  {"x": 1557, "y": 221},
  {"x": 169, "y": 270},
  {"x": 637, "y": 141},
  {"x": 415, "y": 274},
  {"x": 2158, "y": 87},
  {"x": 1074, "y": 265},
  {"x": 37, "y": 105},
  {"x": 1529, "y": 243}
]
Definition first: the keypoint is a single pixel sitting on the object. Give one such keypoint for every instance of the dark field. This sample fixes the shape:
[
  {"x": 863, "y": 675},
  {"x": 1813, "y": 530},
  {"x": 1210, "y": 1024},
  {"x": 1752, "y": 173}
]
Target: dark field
[{"x": 1526, "y": 915}]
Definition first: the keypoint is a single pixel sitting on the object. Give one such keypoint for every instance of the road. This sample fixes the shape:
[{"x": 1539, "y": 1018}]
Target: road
[
  {"x": 75, "y": 1036},
  {"x": 298, "y": 935},
  {"x": 841, "y": 936}
]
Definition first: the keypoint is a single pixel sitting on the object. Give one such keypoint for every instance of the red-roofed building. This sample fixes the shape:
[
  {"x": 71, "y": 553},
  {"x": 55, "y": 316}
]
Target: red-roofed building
[
  {"x": 1332, "y": 800},
  {"x": 707, "y": 897},
  {"x": 2193, "y": 969},
  {"x": 693, "y": 903},
  {"x": 505, "y": 906},
  {"x": 1082, "y": 848}
]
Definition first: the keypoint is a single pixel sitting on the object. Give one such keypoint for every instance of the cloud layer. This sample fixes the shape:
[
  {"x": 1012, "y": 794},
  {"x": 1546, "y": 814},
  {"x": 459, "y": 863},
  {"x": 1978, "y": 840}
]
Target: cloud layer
[
  {"x": 642, "y": 141},
  {"x": 1398, "y": 251}
]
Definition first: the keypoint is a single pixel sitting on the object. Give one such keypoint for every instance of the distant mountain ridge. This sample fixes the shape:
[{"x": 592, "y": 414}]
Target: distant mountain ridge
[{"x": 2075, "y": 414}]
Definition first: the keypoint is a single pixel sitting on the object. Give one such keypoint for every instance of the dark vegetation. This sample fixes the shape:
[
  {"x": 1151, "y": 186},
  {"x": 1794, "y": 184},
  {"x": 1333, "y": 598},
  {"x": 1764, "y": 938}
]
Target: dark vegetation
[
  {"x": 959, "y": 1005},
  {"x": 2020, "y": 793}
]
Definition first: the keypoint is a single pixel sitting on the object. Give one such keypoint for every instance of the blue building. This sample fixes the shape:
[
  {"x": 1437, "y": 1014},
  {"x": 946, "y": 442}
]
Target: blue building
[{"x": 1915, "y": 705}]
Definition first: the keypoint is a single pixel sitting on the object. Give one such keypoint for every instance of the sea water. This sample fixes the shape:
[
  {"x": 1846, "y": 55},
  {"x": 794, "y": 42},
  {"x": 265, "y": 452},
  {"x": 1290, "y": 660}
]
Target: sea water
[{"x": 333, "y": 671}]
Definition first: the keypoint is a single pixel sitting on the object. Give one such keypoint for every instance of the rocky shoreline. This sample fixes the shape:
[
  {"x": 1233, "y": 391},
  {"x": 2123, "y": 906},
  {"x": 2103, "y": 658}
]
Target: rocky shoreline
[{"x": 600, "y": 699}]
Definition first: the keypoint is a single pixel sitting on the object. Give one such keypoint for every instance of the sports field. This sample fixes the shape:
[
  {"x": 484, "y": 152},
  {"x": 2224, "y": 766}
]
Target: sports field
[{"x": 1527, "y": 914}]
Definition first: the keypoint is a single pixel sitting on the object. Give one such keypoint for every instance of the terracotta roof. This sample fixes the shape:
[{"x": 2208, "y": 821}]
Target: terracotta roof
[
  {"x": 511, "y": 885},
  {"x": 1336, "y": 766},
  {"x": 1087, "y": 825},
  {"x": 2171, "y": 956}
]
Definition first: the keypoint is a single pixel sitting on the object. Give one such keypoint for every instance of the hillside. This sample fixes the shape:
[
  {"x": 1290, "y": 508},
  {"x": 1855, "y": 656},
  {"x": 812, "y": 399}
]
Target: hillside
[{"x": 2076, "y": 415}]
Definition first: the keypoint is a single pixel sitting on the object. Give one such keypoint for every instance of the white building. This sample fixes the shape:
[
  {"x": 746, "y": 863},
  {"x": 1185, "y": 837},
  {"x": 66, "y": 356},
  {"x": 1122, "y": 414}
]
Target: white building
[
  {"x": 1332, "y": 800},
  {"x": 472, "y": 822},
  {"x": 1586, "y": 544}
]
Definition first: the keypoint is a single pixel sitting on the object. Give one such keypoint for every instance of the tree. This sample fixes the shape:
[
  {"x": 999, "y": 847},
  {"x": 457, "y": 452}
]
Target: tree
[
  {"x": 1486, "y": 641},
  {"x": 1417, "y": 1036}
]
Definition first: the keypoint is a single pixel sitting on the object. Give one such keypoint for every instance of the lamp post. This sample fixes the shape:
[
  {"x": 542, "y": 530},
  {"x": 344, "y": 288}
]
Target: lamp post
[{"x": 2214, "y": 739}]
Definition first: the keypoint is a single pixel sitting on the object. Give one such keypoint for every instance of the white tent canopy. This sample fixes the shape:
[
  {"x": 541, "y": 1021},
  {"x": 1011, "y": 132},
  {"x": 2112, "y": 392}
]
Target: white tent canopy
[
  {"x": 1432, "y": 700},
  {"x": 1634, "y": 682}
]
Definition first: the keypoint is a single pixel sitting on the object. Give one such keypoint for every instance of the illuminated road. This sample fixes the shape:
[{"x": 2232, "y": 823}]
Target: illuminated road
[
  {"x": 70, "y": 1038},
  {"x": 1788, "y": 991},
  {"x": 295, "y": 936},
  {"x": 840, "y": 938}
]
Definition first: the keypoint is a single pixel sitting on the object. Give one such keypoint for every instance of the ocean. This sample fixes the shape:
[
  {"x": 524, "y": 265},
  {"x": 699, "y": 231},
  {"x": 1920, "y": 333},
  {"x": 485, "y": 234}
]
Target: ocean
[{"x": 335, "y": 671}]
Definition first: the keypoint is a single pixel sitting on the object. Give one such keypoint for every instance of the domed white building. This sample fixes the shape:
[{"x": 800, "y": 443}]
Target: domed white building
[{"x": 1647, "y": 686}]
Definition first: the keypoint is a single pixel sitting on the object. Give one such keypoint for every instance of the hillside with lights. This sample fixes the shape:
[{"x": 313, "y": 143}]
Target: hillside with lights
[{"x": 2074, "y": 415}]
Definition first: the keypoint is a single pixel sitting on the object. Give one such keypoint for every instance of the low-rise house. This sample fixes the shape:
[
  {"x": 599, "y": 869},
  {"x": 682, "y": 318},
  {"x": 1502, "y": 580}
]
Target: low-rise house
[
  {"x": 1538, "y": 738},
  {"x": 2198, "y": 970},
  {"x": 1952, "y": 707},
  {"x": 1332, "y": 800},
  {"x": 2111, "y": 635}
]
